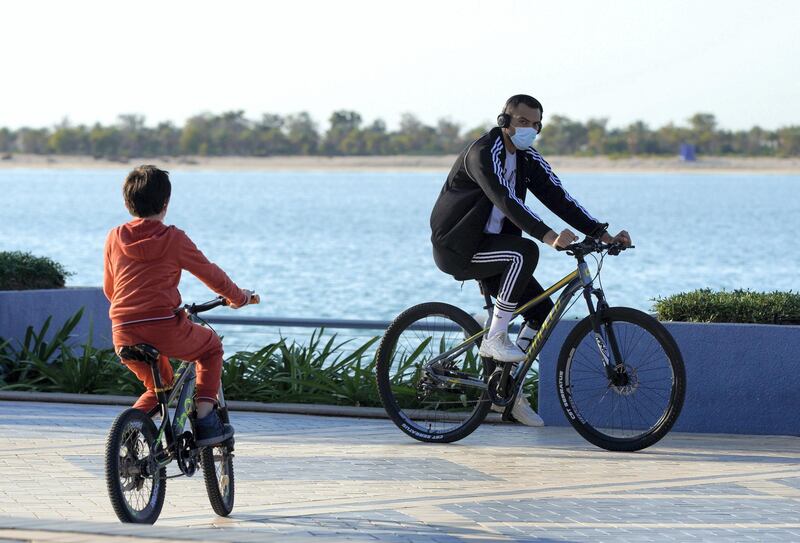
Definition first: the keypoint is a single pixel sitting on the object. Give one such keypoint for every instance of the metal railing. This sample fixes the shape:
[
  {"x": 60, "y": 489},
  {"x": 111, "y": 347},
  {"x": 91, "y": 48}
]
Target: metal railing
[{"x": 344, "y": 324}]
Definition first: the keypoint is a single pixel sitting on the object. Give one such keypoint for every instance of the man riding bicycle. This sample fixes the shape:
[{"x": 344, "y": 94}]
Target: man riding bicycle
[{"x": 473, "y": 240}]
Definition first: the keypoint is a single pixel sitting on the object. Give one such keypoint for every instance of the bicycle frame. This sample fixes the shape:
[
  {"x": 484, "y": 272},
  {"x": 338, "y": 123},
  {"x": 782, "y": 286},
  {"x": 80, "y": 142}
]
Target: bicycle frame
[
  {"x": 579, "y": 279},
  {"x": 571, "y": 284},
  {"x": 182, "y": 389}
]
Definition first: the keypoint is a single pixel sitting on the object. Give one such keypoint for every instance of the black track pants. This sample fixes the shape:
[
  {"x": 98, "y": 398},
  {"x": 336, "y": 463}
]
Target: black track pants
[{"x": 505, "y": 264}]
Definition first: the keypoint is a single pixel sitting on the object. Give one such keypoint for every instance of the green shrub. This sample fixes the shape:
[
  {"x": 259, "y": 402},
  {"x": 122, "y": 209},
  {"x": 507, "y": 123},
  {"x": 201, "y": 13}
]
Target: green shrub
[
  {"x": 312, "y": 373},
  {"x": 23, "y": 271},
  {"x": 744, "y": 306},
  {"x": 53, "y": 365}
]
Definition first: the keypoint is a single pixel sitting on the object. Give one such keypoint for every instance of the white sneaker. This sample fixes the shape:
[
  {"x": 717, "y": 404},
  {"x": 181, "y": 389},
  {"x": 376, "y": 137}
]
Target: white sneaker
[
  {"x": 524, "y": 413},
  {"x": 501, "y": 349}
]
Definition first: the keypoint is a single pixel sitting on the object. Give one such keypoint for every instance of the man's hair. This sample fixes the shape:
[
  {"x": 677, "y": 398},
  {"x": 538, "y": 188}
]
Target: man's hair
[
  {"x": 146, "y": 190},
  {"x": 518, "y": 99}
]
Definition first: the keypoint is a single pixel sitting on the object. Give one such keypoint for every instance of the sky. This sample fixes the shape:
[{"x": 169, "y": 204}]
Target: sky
[{"x": 658, "y": 61}]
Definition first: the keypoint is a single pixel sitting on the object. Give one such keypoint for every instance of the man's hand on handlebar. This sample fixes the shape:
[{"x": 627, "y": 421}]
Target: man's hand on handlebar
[
  {"x": 623, "y": 238},
  {"x": 562, "y": 240}
]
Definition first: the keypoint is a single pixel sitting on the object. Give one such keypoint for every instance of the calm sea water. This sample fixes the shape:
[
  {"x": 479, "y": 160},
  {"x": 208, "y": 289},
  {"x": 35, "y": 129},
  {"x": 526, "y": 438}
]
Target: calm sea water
[{"x": 355, "y": 245}]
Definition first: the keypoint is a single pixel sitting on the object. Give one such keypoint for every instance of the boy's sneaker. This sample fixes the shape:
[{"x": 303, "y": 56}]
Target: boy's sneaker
[
  {"x": 210, "y": 430},
  {"x": 501, "y": 349}
]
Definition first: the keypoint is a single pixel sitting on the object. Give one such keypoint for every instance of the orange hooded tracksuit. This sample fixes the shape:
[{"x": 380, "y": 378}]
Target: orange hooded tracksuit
[{"x": 143, "y": 260}]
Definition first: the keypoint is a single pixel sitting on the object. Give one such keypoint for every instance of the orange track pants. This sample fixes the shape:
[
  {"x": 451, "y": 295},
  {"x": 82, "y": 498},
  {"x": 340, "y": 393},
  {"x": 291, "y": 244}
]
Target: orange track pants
[{"x": 174, "y": 338}]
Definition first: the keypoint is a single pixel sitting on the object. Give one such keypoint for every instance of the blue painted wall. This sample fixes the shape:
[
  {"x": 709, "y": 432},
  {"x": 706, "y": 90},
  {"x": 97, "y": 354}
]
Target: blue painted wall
[
  {"x": 22, "y": 308},
  {"x": 740, "y": 378}
]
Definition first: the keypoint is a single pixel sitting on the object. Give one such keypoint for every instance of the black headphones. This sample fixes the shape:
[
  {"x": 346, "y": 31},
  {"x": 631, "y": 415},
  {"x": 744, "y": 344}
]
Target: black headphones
[{"x": 504, "y": 120}]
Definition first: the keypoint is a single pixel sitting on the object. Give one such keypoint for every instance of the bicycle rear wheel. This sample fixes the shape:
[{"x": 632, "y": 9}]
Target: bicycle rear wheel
[
  {"x": 420, "y": 403},
  {"x": 638, "y": 406},
  {"x": 136, "y": 486}
]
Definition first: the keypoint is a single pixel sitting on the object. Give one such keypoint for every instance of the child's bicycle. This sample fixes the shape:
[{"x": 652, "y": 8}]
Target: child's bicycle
[
  {"x": 620, "y": 376},
  {"x": 137, "y": 454}
]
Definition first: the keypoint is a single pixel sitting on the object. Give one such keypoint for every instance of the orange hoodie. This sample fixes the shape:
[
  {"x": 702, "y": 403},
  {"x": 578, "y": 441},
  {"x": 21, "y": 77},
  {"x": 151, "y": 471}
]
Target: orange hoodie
[{"x": 142, "y": 269}]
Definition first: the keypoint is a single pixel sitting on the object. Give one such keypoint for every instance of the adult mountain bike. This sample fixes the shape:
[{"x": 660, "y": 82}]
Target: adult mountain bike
[
  {"x": 138, "y": 453},
  {"x": 620, "y": 375}
]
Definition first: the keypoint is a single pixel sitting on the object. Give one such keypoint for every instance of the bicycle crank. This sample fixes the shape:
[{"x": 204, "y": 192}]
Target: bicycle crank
[
  {"x": 501, "y": 386},
  {"x": 186, "y": 454}
]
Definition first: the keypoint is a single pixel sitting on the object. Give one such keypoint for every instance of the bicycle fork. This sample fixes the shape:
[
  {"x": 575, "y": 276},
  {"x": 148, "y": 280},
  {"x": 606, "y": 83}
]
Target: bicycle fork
[{"x": 615, "y": 367}]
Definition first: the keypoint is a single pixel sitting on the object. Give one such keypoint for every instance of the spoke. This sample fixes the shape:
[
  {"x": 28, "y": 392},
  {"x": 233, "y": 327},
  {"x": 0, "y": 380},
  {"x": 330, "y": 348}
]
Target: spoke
[
  {"x": 657, "y": 416},
  {"x": 640, "y": 335},
  {"x": 596, "y": 365}
]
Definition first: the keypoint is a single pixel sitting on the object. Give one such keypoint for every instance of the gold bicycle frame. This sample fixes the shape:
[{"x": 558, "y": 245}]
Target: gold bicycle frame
[{"x": 538, "y": 340}]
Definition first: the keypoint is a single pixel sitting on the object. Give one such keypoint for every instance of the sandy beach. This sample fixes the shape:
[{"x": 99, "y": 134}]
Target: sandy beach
[{"x": 405, "y": 163}]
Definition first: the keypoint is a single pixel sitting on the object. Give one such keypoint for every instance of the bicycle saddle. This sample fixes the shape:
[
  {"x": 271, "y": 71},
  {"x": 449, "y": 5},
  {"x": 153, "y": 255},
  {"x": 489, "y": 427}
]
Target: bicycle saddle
[{"x": 141, "y": 352}]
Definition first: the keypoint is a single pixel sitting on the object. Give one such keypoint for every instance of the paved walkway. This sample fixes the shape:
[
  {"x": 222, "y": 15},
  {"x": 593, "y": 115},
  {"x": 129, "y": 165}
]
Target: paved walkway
[{"x": 306, "y": 478}]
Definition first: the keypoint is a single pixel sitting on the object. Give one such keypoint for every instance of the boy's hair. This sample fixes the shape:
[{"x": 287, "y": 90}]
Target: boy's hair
[{"x": 146, "y": 190}]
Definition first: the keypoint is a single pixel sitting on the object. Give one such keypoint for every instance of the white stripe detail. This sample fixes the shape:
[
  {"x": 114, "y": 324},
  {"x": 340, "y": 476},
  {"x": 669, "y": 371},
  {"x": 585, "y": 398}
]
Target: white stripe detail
[
  {"x": 498, "y": 171},
  {"x": 556, "y": 181},
  {"x": 505, "y": 306},
  {"x": 143, "y": 320},
  {"x": 512, "y": 273}
]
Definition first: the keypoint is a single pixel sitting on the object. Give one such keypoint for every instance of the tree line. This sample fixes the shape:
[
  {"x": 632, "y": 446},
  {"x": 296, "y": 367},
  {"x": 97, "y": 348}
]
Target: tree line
[{"x": 232, "y": 134}]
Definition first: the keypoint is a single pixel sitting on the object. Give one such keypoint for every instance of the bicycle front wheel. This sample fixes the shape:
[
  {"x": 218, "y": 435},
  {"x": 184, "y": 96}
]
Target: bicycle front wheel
[
  {"x": 431, "y": 397},
  {"x": 136, "y": 485},
  {"x": 637, "y": 405},
  {"x": 218, "y": 474}
]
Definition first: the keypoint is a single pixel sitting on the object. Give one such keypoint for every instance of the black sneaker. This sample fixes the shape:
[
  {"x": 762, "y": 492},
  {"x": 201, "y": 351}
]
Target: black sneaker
[{"x": 210, "y": 430}]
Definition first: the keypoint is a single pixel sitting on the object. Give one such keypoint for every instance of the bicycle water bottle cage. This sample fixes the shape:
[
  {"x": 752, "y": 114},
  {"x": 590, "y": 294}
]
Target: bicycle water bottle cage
[{"x": 141, "y": 353}]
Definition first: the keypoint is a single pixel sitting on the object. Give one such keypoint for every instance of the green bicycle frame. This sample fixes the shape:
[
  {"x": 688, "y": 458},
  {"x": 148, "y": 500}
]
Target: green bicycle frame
[{"x": 183, "y": 391}]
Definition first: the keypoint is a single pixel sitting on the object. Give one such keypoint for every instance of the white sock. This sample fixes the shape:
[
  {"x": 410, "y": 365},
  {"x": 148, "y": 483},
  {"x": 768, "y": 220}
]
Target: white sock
[
  {"x": 500, "y": 319},
  {"x": 526, "y": 335}
]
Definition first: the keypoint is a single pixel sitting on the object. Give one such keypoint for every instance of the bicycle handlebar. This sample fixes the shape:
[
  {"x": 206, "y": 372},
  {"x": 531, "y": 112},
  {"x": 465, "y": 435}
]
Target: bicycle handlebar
[
  {"x": 593, "y": 245},
  {"x": 194, "y": 309}
]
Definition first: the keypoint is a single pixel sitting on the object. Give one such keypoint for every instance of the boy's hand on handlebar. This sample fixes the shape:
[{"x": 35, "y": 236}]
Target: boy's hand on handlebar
[
  {"x": 559, "y": 241},
  {"x": 250, "y": 298}
]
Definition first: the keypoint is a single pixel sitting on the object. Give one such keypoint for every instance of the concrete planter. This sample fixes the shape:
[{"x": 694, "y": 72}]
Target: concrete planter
[
  {"x": 22, "y": 308},
  {"x": 740, "y": 378}
]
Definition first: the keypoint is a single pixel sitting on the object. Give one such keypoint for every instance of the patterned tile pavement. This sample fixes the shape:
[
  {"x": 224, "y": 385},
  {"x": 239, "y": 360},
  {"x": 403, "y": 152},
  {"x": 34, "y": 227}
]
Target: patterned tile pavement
[{"x": 307, "y": 478}]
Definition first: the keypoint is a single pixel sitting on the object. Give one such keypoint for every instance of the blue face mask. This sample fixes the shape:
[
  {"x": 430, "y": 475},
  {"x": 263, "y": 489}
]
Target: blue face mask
[{"x": 523, "y": 137}]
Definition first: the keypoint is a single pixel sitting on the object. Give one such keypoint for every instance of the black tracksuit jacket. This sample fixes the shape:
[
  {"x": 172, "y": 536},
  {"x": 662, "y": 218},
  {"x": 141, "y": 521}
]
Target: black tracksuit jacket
[{"x": 476, "y": 183}]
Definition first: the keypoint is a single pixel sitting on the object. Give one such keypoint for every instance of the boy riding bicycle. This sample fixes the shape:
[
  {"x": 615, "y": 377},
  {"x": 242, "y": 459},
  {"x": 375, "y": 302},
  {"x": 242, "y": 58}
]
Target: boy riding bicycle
[{"x": 143, "y": 260}]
